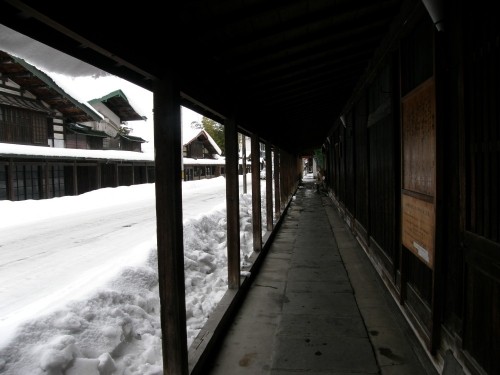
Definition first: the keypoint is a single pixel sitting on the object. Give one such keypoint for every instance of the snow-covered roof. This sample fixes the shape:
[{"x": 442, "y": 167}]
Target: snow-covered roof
[
  {"x": 86, "y": 130},
  {"x": 189, "y": 134},
  {"x": 41, "y": 85},
  {"x": 9, "y": 150},
  {"x": 191, "y": 161},
  {"x": 118, "y": 103},
  {"x": 132, "y": 138}
]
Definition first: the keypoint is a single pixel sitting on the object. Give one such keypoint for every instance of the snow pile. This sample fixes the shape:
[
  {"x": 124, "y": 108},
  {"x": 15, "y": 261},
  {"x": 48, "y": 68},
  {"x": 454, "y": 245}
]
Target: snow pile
[{"x": 117, "y": 329}]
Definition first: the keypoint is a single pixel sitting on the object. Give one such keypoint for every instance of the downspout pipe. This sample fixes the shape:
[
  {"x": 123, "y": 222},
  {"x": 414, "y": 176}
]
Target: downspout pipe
[{"x": 435, "y": 8}]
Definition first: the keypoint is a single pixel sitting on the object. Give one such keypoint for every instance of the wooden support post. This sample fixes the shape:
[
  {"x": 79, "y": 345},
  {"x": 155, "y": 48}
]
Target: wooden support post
[
  {"x": 277, "y": 178},
  {"x": 283, "y": 179},
  {"x": 244, "y": 161},
  {"x": 269, "y": 188},
  {"x": 232, "y": 203},
  {"x": 169, "y": 226},
  {"x": 256, "y": 199},
  {"x": 441, "y": 189}
]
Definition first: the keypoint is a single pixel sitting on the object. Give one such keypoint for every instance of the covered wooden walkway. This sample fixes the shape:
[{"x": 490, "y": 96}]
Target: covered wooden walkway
[{"x": 317, "y": 306}]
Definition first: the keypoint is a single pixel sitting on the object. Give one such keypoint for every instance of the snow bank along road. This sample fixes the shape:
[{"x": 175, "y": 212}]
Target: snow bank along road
[{"x": 50, "y": 248}]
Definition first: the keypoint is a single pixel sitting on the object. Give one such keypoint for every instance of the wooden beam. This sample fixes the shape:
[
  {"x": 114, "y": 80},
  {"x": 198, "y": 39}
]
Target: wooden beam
[
  {"x": 277, "y": 190},
  {"x": 28, "y": 86},
  {"x": 269, "y": 188},
  {"x": 169, "y": 225},
  {"x": 256, "y": 199},
  {"x": 19, "y": 74},
  {"x": 232, "y": 203},
  {"x": 283, "y": 179},
  {"x": 442, "y": 138},
  {"x": 244, "y": 161},
  {"x": 56, "y": 97}
]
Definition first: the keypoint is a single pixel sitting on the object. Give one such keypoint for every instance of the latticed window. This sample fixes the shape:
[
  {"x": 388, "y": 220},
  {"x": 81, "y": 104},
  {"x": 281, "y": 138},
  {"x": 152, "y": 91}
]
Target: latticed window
[
  {"x": 4, "y": 194},
  {"x": 22, "y": 126},
  {"x": 57, "y": 181},
  {"x": 27, "y": 182},
  {"x": 39, "y": 130}
]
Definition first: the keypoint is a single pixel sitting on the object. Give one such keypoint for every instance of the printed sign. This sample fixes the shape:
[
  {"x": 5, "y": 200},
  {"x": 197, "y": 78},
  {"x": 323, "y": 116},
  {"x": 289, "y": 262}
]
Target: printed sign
[
  {"x": 418, "y": 222},
  {"x": 418, "y": 214}
]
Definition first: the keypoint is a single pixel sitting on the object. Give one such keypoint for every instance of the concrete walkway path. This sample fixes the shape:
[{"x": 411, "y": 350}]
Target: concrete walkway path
[{"x": 317, "y": 306}]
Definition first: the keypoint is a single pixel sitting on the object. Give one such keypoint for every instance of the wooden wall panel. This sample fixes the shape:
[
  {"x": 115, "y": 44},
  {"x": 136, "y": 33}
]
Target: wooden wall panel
[
  {"x": 361, "y": 162},
  {"x": 418, "y": 216},
  {"x": 382, "y": 185},
  {"x": 350, "y": 181},
  {"x": 482, "y": 188},
  {"x": 419, "y": 140}
]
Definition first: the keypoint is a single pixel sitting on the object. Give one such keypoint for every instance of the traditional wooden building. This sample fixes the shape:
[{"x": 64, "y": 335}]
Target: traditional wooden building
[
  {"x": 116, "y": 111},
  {"x": 50, "y": 142},
  {"x": 201, "y": 156}
]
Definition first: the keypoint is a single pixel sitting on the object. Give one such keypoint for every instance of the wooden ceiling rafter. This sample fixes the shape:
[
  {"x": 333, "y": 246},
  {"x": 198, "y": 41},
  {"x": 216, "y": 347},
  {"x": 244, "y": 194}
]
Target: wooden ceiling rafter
[
  {"x": 342, "y": 18},
  {"x": 285, "y": 54},
  {"x": 297, "y": 60}
]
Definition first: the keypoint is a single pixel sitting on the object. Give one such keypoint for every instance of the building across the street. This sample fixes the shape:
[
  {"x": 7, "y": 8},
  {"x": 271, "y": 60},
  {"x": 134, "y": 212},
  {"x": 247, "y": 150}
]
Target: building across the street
[{"x": 51, "y": 145}]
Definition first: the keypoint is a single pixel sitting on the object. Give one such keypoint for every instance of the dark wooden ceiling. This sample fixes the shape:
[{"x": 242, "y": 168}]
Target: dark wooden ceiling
[{"x": 286, "y": 69}]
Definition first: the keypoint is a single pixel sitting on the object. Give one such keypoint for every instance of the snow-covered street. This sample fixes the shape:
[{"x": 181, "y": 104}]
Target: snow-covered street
[{"x": 68, "y": 250}]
